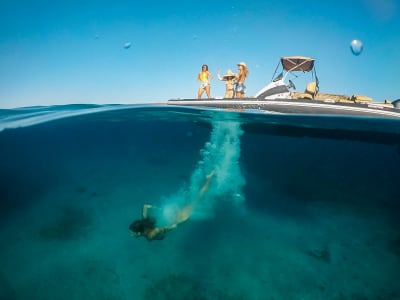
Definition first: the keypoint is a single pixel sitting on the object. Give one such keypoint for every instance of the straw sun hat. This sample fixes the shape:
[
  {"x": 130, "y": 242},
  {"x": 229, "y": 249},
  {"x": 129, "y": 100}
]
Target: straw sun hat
[{"x": 229, "y": 74}]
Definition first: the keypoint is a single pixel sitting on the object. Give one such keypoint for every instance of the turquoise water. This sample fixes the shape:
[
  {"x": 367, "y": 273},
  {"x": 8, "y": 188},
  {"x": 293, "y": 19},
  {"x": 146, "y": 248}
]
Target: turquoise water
[{"x": 299, "y": 207}]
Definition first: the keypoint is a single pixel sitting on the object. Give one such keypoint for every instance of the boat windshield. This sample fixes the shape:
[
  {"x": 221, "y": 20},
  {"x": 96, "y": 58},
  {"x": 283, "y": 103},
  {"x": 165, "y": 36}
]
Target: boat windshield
[{"x": 279, "y": 77}]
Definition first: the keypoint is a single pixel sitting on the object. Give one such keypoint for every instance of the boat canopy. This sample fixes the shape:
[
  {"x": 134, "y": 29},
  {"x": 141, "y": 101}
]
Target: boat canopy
[{"x": 297, "y": 63}]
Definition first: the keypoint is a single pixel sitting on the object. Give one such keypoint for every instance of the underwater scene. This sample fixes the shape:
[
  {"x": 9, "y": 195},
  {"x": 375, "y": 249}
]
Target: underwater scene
[{"x": 254, "y": 206}]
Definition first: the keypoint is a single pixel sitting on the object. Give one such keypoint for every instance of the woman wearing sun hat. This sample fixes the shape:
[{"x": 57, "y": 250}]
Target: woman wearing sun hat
[
  {"x": 229, "y": 78},
  {"x": 240, "y": 80}
]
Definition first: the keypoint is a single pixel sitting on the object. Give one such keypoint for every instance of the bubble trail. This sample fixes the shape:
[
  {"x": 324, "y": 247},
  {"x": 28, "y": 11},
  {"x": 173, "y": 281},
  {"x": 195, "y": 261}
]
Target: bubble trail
[{"x": 220, "y": 155}]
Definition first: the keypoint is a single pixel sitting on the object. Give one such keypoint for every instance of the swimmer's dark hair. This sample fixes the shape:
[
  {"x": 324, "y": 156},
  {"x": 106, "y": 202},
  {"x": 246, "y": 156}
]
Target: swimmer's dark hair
[
  {"x": 205, "y": 66},
  {"x": 139, "y": 226}
]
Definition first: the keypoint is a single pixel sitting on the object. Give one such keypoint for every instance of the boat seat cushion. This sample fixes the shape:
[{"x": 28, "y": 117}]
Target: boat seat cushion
[
  {"x": 311, "y": 88},
  {"x": 302, "y": 96},
  {"x": 361, "y": 99}
]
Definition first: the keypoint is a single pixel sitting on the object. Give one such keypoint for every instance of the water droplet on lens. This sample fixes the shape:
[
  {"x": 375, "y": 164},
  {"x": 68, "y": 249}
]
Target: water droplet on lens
[
  {"x": 127, "y": 45},
  {"x": 356, "y": 47}
]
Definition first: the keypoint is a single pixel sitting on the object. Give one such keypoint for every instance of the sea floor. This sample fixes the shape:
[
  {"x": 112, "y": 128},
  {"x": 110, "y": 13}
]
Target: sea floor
[{"x": 73, "y": 243}]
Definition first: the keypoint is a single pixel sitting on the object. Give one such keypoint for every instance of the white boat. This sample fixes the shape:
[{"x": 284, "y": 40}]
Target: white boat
[{"x": 280, "y": 96}]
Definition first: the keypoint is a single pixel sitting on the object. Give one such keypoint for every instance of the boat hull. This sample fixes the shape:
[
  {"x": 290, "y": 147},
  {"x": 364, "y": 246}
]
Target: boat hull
[{"x": 291, "y": 106}]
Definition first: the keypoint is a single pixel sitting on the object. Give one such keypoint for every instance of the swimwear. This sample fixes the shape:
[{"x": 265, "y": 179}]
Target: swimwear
[
  {"x": 240, "y": 88},
  {"x": 203, "y": 77},
  {"x": 229, "y": 94},
  {"x": 204, "y": 84},
  {"x": 230, "y": 89}
]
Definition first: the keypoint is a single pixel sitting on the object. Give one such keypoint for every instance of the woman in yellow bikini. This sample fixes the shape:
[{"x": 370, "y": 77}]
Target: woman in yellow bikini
[
  {"x": 146, "y": 226},
  {"x": 205, "y": 78}
]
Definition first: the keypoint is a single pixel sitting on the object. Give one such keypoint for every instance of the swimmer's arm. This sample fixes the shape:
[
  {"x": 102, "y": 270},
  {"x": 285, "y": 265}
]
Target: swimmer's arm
[{"x": 145, "y": 211}]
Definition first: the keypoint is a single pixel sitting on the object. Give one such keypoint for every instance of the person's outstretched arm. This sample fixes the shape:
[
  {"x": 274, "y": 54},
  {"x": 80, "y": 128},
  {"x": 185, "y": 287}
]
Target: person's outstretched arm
[
  {"x": 145, "y": 211},
  {"x": 219, "y": 76}
]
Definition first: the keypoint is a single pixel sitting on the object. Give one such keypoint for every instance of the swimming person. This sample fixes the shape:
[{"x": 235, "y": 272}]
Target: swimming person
[
  {"x": 205, "y": 77},
  {"x": 146, "y": 226},
  {"x": 229, "y": 79},
  {"x": 240, "y": 79}
]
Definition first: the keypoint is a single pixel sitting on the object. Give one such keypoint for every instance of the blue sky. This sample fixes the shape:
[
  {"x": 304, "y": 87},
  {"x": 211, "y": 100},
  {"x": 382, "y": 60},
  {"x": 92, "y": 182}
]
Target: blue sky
[{"x": 54, "y": 52}]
